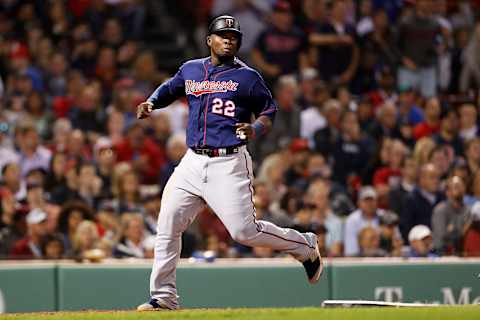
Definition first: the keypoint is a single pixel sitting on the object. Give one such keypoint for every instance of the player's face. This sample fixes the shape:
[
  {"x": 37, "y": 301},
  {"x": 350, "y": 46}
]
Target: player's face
[{"x": 224, "y": 44}]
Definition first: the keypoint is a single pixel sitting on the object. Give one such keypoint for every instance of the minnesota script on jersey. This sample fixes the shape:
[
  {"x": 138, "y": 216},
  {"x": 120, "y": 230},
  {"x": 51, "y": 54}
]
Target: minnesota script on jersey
[{"x": 218, "y": 98}]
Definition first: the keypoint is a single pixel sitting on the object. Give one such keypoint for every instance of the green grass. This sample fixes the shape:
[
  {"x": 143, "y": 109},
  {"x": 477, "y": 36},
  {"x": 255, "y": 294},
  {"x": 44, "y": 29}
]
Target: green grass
[{"x": 436, "y": 313}]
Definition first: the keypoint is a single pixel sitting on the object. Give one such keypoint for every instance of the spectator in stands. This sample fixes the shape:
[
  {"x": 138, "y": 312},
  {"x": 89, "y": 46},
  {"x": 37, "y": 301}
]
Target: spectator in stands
[
  {"x": 471, "y": 241},
  {"x": 420, "y": 238},
  {"x": 390, "y": 239},
  {"x": 162, "y": 129},
  {"x": 87, "y": 115},
  {"x": 472, "y": 153},
  {"x": 380, "y": 41},
  {"x": 89, "y": 184},
  {"x": 335, "y": 50},
  {"x": 250, "y": 14},
  {"x": 417, "y": 41},
  {"x": 55, "y": 178},
  {"x": 135, "y": 241},
  {"x": 281, "y": 48},
  {"x": 299, "y": 152},
  {"x": 262, "y": 201},
  {"x": 420, "y": 202},
  {"x": 108, "y": 222},
  {"x": 287, "y": 119},
  {"x": 365, "y": 21},
  {"x": 312, "y": 119},
  {"x": 473, "y": 187},
  {"x": 71, "y": 215},
  {"x": 85, "y": 239},
  {"x": 409, "y": 111},
  {"x": 369, "y": 243},
  {"x": 324, "y": 139},
  {"x": 36, "y": 107},
  {"x": 431, "y": 124},
  {"x": 448, "y": 134},
  {"x": 468, "y": 122},
  {"x": 146, "y": 157},
  {"x": 318, "y": 195},
  {"x": 388, "y": 177},
  {"x": 470, "y": 75},
  {"x": 33, "y": 154},
  {"x": 308, "y": 81},
  {"x": 53, "y": 247},
  {"x": 57, "y": 74},
  {"x": 12, "y": 221},
  {"x": 30, "y": 247},
  {"x": 176, "y": 148},
  {"x": 367, "y": 214},
  {"x": 449, "y": 219},
  {"x": 151, "y": 209},
  {"x": 386, "y": 124},
  {"x": 104, "y": 157},
  {"x": 442, "y": 159},
  {"x": 127, "y": 193},
  {"x": 423, "y": 149},
  {"x": 11, "y": 181},
  {"x": 398, "y": 194},
  {"x": 351, "y": 150}
]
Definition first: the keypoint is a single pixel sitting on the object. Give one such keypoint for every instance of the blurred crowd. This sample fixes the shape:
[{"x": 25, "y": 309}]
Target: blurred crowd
[{"x": 375, "y": 147}]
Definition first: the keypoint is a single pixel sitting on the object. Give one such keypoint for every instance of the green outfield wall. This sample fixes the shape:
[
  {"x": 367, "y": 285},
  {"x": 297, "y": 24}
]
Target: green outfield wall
[{"x": 251, "y": 283}]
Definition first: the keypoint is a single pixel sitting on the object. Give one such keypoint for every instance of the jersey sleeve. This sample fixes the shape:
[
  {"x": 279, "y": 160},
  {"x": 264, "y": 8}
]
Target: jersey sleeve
[
  {"x": 263, "y": 103},
  {"x": 168, "y": 91}
]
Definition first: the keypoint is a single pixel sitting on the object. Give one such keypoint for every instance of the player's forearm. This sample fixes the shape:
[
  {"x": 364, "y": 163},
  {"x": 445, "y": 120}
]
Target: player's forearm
[{"x": 262, "y": 126}]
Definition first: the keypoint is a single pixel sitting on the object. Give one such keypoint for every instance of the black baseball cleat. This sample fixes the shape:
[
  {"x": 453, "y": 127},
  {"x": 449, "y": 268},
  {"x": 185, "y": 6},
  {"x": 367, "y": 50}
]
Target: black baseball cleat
[
  {"x": 314, "y": 266},
  {"x": 153, "y": 305}
]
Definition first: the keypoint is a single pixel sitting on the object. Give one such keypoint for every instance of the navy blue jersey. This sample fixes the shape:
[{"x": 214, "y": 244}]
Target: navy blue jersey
[{"x": 218, "y": 98}]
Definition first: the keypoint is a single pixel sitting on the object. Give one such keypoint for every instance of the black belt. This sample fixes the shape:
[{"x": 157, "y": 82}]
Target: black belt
[{"x": 216, "y": 152}]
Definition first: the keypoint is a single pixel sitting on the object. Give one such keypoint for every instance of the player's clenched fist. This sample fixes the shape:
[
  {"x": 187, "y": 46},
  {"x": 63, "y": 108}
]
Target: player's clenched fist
[{"x": 144, "y": 109}]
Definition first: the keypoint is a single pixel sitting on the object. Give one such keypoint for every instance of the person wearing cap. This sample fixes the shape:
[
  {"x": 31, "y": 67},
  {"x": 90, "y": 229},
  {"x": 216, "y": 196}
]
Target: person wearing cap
[
  {"x": 390, "y": 239},
  {"x": 282, "y": 47},
  {"x": 449, "y": 219},
  {"x": 313, "y": 118},
  {"x": 30, "y": 247},
  {"x": 419, "y": 204},
  {"x": 299, "y": 152},
  {"x": 471, "y": 241},
  {"x": 229, "y": 106},
  {"x": 367, "y": 214},
  {"x": 420, "y": 239}
]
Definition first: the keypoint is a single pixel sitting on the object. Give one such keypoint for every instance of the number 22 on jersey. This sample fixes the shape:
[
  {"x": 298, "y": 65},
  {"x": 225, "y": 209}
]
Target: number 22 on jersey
[{"x": 225, "y": 108}]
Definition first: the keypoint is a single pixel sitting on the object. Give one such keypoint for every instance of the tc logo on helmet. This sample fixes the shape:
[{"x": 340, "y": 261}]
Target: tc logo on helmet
[{"x": 229, "y": 22}]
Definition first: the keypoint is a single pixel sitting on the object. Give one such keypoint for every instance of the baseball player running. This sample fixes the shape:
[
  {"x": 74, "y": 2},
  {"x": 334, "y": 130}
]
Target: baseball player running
[{"x": 222, "y": 94}]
